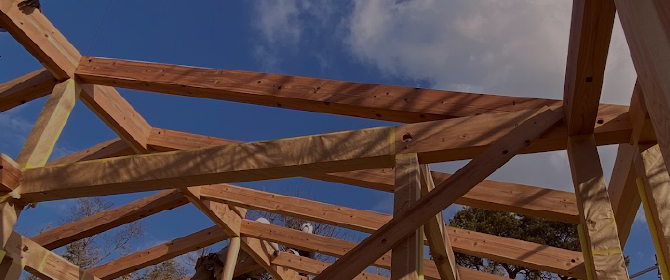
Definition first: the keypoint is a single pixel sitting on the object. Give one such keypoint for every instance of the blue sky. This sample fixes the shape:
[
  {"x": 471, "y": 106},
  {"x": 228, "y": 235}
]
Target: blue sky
[{"x": 487, "y": 46}]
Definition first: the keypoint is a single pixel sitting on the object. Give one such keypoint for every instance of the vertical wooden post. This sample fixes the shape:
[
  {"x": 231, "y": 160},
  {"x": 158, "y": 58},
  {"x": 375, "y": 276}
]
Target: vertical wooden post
[
  {"x": 654, "y": 188},
  {"x": 231, "y": 259},
  {"x": 407, "y": 257},
  {"x": 600, "y": 240},
  {"x": 36, "y": 152}
]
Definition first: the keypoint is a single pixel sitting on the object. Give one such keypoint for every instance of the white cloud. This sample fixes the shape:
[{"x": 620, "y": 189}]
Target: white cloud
[
  {"x": 279, "y": 21},
  {"x": 492, "y": 46},
  {"x": 15, "y": 128}
]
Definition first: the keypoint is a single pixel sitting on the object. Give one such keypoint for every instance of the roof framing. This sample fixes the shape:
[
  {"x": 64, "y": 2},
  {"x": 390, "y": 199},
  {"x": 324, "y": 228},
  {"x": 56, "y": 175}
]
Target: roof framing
[{"x": 441, "y": 126}]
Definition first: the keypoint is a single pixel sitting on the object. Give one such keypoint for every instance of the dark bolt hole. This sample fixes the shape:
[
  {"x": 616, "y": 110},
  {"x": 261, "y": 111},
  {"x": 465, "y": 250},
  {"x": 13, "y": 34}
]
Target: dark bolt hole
[
  {"x": 407, "y": 137},
  {"x": 505, "y": 152},
  {"x": 600, "y": 121},
  {"x": 589, "y": 79}
]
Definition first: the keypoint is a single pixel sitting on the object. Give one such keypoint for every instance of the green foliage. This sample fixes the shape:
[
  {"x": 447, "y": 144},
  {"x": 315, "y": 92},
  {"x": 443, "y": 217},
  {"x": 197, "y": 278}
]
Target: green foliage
[{"x": 506, "y": 224}]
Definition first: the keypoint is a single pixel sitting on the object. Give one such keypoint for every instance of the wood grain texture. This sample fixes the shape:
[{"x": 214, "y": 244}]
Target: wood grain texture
[
  {"x": 562, "y": 261},
  {"x": 25, "y": 89},
  {"x": 42, "y": 262},
  {"x": 590, "y": 36},
  {"x": 118, "y": 114},
  {"x": 40, "y": 38},
  {"x": 49, "y": 125},
  {"x": 110, "y": 148},
  {"x": 656, "y": 190},
  {"x": 106, "y": 220},
  {"x": 384, "y": 102},
  {"x": 158, "y": 254},
  {"x": 623, "y": 192},
  {"x": 602, "y": 245},
  {"x": 646, "y": 26},
  {"x": 227, "y": 218},
  {"x": 444, "y": 195},
  {"x": 262, "y": 253},
  {"x": 407, "y": 255},
  {"x": 313, "y": 267},
  {"x": 10, "y": 174},
  {"x": 437, "y": 236}
]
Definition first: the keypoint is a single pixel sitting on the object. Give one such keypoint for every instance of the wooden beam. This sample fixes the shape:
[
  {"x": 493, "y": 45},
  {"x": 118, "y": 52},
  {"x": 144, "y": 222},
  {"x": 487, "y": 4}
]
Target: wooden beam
[
  {"x": 10, "y": 174},
  {"x": 26, "y": 88},
  {"x": 500, "y": 249},
  {"x": 42, "y": 262},
  {"x": 40, "y": 38},
  {"x": 313, "y": 267},
  {"x": 493, "y": 195},
  {"x": 109, "y": 219},
  {"x": 437, "y": 235},
  {"x": 437, "y": 200},
  {"x": 495, "y": 248},
  {"x": 262, "y": 253},
  {"x": 647, "y": 28},
  {"x": 623, "y": 192},
  {"x": 655, "y": 191},
  {"x": 345, "y": 151},
  {"x": 603, "y": 252},
  {"x": 118, "y": 114},
  {"x": 110, "y": 148},
  {"x": 391, "y": 103},
  {"x": 50, "y": 123},
  {"x": 227, "y": 218},
  {"x": 10, "y": 269},
  {"x": 158, "y": 254},
  {"x": 590, "y": 36},
  {"x": 407, "y": 256}
]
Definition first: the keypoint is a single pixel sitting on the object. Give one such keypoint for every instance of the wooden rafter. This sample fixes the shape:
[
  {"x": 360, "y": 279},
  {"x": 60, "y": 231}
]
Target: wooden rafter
[
  {"x": 313, "y": 267},
  {"x": 353, "y": 150},
  {"x": 109, "y": 219},
  {"x": 407, "y": 256},
  {"x": 392, "y": 103},
  {"x": 26, "y": 88},
  {"x": 444, "y": 195},
  {"x": 10, "y": 174}
]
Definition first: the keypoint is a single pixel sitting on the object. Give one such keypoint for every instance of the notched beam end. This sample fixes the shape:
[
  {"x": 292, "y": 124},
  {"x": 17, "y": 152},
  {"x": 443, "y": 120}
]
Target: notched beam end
[{"x": 10, "y": 174}]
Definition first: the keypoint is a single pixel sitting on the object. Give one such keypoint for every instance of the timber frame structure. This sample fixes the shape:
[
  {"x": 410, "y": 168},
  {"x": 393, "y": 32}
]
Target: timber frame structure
[{"x": 439, "y": 126}]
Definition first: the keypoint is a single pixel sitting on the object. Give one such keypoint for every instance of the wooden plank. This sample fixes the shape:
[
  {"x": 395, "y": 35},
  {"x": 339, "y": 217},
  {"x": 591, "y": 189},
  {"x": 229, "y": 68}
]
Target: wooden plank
[
  {"x": 25, "y": 89},
  {"x": 225, "y": 217},
  {"x": 603, "y": 252},
  {"x": 313, "y": 267},
  {"x": 40, "y": 38},
  {"x": 436, "y": 234},
  {"x": 469, "y": 138},
  {"x": 262, "y": 253},
  {"x": 437, "y": 200},
  {"x": 118, "y": 114},
  {"x": 392, "y": 103},
  {"x": 655, "y": 191},
  {"x": 647, "y": 28},
  {"x": 50, "y": 123},
  {"x": 623, "y": 192},
  {"x": 505, "y": 250},
  {"x": 42, "y": 262},
  {"x": 109, "y": 219},
  {"x": 493, "y": 195},
  {"x": 10, "y": 269},
  {"x": 10, "y": 174},
  {"x": 110, "y": 148},
  {"x": 344, "y": 151},
  {"x": 407, "y": 256},
  {"x": 590, "y": 36},
  {"x": 158, "y": 254}
]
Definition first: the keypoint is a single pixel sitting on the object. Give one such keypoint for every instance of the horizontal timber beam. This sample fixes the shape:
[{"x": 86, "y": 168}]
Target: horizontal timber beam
[
  {"x": 158, "y": 254},
  {"x": 336, "y": 152},
  {"x": 26, "y": 88},
  {"x": 105, "y": 220},
  {"x": 313, "y": 267},
  {"x": 384, "y": 102},
  {"x": 41, "y": 262},
  {"x": 496, "y": 248}
]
